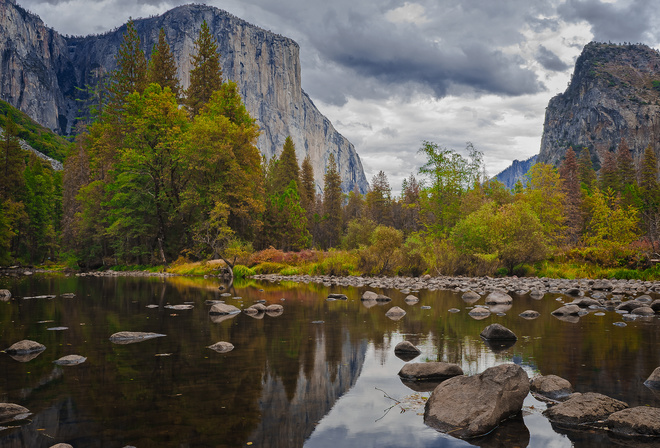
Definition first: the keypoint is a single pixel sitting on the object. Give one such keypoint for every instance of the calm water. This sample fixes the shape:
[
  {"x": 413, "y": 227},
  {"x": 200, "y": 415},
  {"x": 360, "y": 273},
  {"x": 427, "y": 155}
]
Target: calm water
[{"x": 323, "y": 374}]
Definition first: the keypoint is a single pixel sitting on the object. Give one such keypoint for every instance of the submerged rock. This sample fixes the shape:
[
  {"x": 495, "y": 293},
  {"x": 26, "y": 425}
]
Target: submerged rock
[
  {"x": 337, "y": 296},
  {"x": 274, "y": 310},
  {"x": 470, "y": 297},
  {"x": 498, "y": 298},
  {"x": 529, "y": 314},
  {"x": 466, "y": 407},
  {"x": 222, "y": 347},
  {"x": 641, "y": 421},
  {"x": 130, "y": 337},
  {"x": 10, "y": 412},
  {"x": 223, "y": 308},
  {"x": 5, "y": 295},
  {"x": 411, "y": 300},
  {"x": 551, "y": 386},
  {"x": 70, "y": 360},
  {"x": 479, "y": 313},
  {"x": 567, "y": 310},
  {"x": 584, "y": 409},
  {"x": 653, "y": 381},
  {"x": 369, "y": 295},
  {"x": 429, "y": 371},
  {"x": 179, "y": 307}
]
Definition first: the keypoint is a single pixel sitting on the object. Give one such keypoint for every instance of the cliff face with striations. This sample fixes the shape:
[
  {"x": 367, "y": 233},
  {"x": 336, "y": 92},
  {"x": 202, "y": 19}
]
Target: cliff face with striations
[
  {"x": 614, "y": 94},
  {"x": 42, "y": 70},
  {"x": 516, "y": 172}
]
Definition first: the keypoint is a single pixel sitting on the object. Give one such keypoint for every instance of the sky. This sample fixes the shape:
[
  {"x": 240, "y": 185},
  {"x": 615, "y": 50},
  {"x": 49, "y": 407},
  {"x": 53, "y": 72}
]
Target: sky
[{"x": 392, "y": 74}]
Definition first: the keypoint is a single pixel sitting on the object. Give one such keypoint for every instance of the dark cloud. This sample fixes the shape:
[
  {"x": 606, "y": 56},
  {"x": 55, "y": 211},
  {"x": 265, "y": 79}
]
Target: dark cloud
[
  {"x": 550, "y": 61},
  {"x": 635, "y": 21}
]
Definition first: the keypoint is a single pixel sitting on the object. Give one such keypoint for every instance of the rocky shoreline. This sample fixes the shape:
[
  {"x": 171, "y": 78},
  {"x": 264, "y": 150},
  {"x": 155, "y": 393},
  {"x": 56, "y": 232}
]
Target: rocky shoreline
[{"x": 482, "y": 285}]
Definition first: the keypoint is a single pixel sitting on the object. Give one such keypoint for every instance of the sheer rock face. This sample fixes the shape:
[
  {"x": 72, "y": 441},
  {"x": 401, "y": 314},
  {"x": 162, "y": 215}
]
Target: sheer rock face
[
  {"x": 41, "y": 69},
  {"x": 611, "y": 96}
]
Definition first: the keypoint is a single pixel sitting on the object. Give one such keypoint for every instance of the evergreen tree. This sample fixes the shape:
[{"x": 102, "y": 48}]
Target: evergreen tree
[
  {"x": 130, "y": 75},
  {"x": 625, "y": 166},
  {"x": 332, "y": 198},
  {"x": 206, "y": 73},
  {"x": 568, "y": 171},
  {"x": 162, "y": 66},
  {"x": 307, "y": 184},
  {"x": 286, "y": 168},
  {"x": 379, "y": 200},
  {"x": 608, "y": 176},
  {"x": 586, "y": 173},
  {"x": 12, "y": 164}
]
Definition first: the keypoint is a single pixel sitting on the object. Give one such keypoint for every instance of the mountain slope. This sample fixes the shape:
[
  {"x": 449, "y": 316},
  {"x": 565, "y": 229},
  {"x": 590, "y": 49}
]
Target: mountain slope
[
  {"x": 614, "y": 93},
  {"x": 41, "y": 73}
]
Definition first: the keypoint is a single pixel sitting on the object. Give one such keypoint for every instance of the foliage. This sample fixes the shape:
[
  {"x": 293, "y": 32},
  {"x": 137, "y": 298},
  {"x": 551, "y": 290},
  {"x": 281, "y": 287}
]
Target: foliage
[
  {"x": 383, "y": 254},
  {"x": 242, "y": 271},
  {"x": 358, "y": 233},
  {"x": 205, "y": 74}
]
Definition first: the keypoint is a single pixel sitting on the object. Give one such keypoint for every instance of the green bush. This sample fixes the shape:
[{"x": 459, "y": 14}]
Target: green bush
[
  {"x": 242, "y": 271},
  {"x": 268, "y": 267}
]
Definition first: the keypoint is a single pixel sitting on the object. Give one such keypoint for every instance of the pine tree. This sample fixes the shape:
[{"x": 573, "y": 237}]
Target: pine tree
[
  {"x": 625, "y": 166},
  {"x": 130, "y": 75},
  {"x": 568, "y": 171},
  {"x": 379, "y": 200},
  {"x": 586, "y": 173},
  {"x": 162, "y": 66},
  {"x": 206, "y": 73},
  {"x": 332, "y": 198},
  {"x": 12, "y": 163},
  {"x": 608, "y": 178},
  {"x": 286, "y": 169},
  {"x": 650, "y": 194},
  {"x": 307, "y": 184}
]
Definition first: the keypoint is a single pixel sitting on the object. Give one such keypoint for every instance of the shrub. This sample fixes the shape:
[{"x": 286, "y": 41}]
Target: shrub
[
  {"x": 268, "y": 267},
  {"x": 242, "y": 271},
  {"x": 384, "y": 254}
]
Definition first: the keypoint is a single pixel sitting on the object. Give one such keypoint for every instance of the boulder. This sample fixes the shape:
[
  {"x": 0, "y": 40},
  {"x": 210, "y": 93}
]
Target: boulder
[
  {"x": 470, "y": 297},
  {"x": 430, "y": 371},
  {"x": 641, "y": 421},
  {"x": 61, "y": 445},
  {"x": 411, "y": 300},
  {"x": 653, "y": 381},
  {"x": 382, "y": 298},
  {"x": 498, "y": 332},
  {"x": 222, "y": 347},
  {"x": 70, "y": 360},
  {"x": 223, "y": 308},
  {"x": 585, "y": 302},
  {"x": 369, "y": 295},
  {"x": 406, "y": 347},
  {"x": 536, "y": 294},
  {"x": 179, "y": 307},
  {"x": 10, "y": 411},
  {"x": 529, "y": 314},
  {"x": 479, "y": 313},
  {"x": 5, "y": 295},
  {"x": 274, "y": 310},
  {"x": 468, "y": 407},
  {"x": 630, "y": 306},
  {"x": 656, "y": 305},
  {"x": 25, "y": 347},
  {"x": 551, "y": 386},
  {"x": 643, "y": 311},
  {"x": 567, "y": 310},
  {"x": 584, "y": 409},
  {"x": 498, "y": 298},
  {"x": 130, "y": 337},
  {"x": 602, "y": 285},
  {"x": 395, "y": 313},
  {"x": 337, "y": 296}
]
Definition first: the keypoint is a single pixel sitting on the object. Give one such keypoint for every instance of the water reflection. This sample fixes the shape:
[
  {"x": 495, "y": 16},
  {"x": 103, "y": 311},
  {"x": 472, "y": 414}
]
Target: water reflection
[{"x": 315, "y": 375}]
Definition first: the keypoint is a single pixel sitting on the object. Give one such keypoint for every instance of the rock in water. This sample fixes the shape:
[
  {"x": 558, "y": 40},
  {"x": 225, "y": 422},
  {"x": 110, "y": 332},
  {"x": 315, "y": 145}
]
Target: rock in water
[
  {"x": 395, "y": 313},
  {"x": 551, "y": 386},
  {"x": 222, "y": 347},
  {"x": 223, "y": 308},
  {"x": 274, "y": 310},
  {"x": 498, "y": 332},
  {"x": 10, "y": 411},
  {"x": 584, "y": 409},
  {"x": 429, "y": 371},
  {"x": 70, "y": 360},
  {"x": 130, "y": 337},
  {"x": 641, "y": 421},
  {"x": 5, "y": 295},
  {"x": 498, "y": 298},
  {"x": 567, "y": 310},
  {"x": 653, "y": 381},
  {"x": 467, "y": 407},
  {"x": 25, "y": 347}
]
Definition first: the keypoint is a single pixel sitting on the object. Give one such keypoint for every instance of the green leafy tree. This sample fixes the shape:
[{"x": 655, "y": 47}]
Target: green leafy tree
[
  {"x": 162, "y": 66},
  {"x": 206, "y": 73},
  {"x": 383, "y": 254},
  {"x": 546, "y": 198},
  {"x": 450, "y": 175}
]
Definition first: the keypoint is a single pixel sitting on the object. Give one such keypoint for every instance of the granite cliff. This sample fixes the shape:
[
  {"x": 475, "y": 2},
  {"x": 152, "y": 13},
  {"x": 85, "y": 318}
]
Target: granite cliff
[
  {"x": 614, "y": 93},
  {"x": 41, "y": 72},
  {"x": 516, "y": 172}
]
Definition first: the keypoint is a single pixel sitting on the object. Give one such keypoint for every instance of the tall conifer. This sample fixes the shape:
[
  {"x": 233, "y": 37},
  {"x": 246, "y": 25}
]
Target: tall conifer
[
  {"x": 162, "y": 66},
  {"x": 586, "y": 173},
  {"x": 625, "y": 166},
  {"x": 206, "y": 73},
  {"x": 332, "y": 198},
  {"x": 608, "y": 178}
]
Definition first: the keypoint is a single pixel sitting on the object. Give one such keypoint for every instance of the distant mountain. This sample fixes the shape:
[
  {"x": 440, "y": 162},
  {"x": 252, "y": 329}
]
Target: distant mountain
[
  {"x": 42, "y": 72},
  {"x": 614, "y": 93},
  {"x": 516, "y": 172}
]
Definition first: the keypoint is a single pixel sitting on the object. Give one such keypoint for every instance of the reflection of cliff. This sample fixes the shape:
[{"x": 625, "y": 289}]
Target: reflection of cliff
[{"x": 289, "y": 422}]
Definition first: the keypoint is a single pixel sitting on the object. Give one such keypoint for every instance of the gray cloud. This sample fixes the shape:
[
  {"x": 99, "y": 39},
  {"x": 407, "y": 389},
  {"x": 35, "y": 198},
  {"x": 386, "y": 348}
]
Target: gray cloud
[
  {"x": 550, "y": 61},
  {"x": 634, "y": 21}
]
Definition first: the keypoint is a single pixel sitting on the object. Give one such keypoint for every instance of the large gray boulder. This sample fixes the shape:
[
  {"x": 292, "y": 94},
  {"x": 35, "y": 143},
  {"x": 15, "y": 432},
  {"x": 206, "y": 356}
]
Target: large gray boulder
[
  {"x": 25, "y": 347},
  {"x": 470, "y": 297},
  {"x": 641, "y": 421},
  {"x": 369, "y": 295},
  {"x": 223, "y": 308},
  {"x": 551, "y": 386},
  {"x": 601, "y": 285},
  {"x": 498, "y": 298},
  {"x": 567, "y": 310},
  {"x": 430, "y": 371},
  {"x": 584, "y": 409},
  {"x": 274, "y": 310},
  {"x": 468, "y": 407},
  {"x": 10, "y": 411},
  {"x": 498, "y": 332},
  {"x": 5, "y": 295}
]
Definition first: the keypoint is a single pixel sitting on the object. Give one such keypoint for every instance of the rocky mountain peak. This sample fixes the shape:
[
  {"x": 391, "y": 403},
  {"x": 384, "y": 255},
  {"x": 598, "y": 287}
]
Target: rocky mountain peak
[{"x": 614, "y": 93}]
